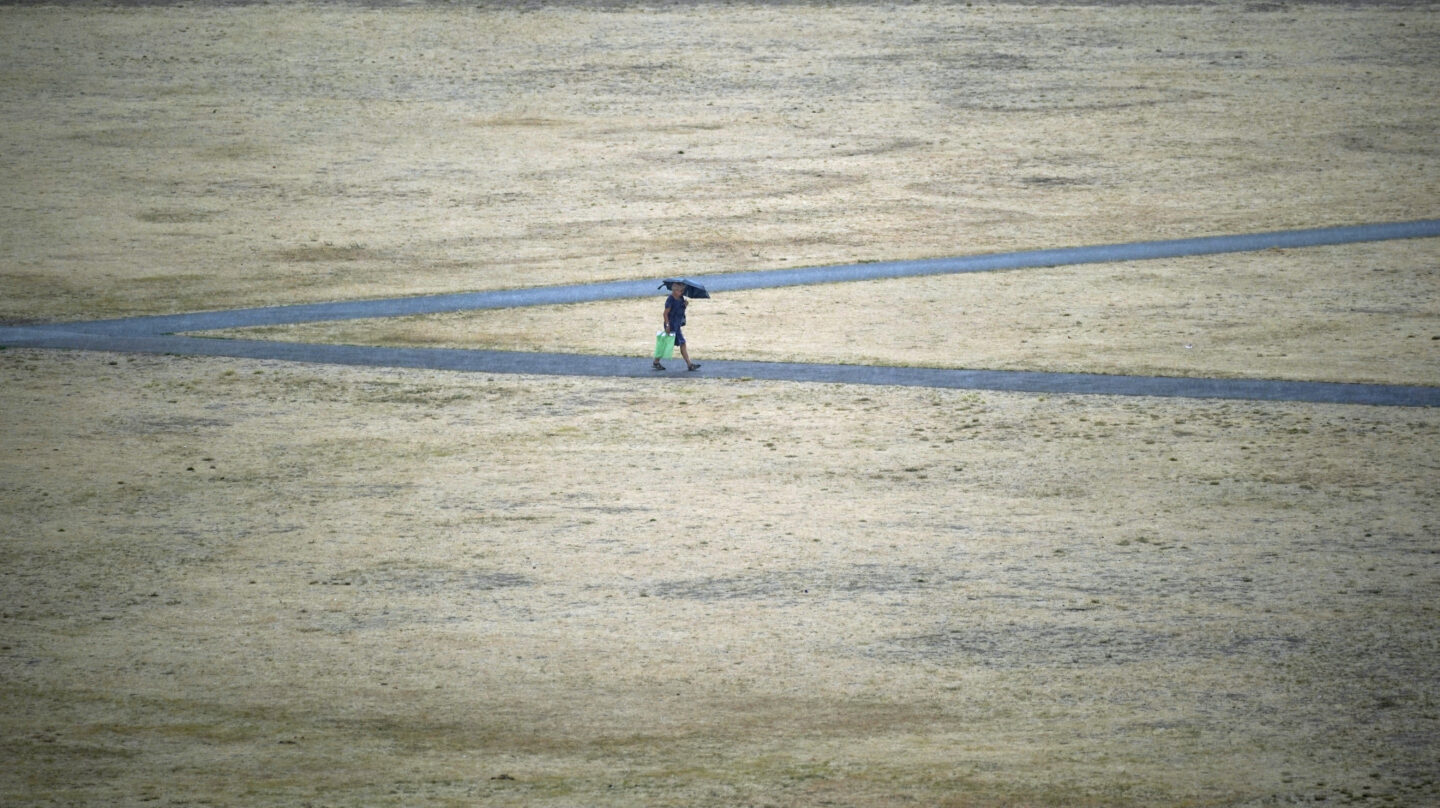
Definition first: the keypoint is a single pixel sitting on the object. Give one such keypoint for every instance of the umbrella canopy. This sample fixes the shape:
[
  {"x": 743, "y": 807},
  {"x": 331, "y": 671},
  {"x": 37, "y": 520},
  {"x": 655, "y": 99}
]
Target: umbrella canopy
[{"x": 692, "y": 289}]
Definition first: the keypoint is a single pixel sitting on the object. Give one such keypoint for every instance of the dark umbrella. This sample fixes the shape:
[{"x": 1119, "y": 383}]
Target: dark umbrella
[{"x": 692, "y": 289}]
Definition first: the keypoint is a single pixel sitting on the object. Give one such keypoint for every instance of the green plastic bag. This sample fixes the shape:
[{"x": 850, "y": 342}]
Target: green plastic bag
[{"x": 664, "y": 345}]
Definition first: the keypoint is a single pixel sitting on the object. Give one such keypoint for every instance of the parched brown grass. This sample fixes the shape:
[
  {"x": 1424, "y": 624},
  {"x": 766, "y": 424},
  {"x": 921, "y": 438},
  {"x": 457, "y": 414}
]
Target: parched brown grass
[
  {"x": 1356, "y": 313},
  {"x": 230, "y": 582},
  {"x": 269, "y": 583}
]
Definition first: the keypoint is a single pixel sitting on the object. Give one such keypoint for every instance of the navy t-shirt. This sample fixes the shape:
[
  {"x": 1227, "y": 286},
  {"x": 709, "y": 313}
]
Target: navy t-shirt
[{"x": 675, "y": 310}]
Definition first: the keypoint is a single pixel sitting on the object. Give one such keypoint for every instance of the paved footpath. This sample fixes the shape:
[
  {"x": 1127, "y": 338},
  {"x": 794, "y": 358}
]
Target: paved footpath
[{"x": 160, "y": 335}]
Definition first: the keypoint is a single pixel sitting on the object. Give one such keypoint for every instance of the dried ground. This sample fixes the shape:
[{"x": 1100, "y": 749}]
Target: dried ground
[
  {"x": 247, "y": 583},
  {"x": 1354, "y": 313}
]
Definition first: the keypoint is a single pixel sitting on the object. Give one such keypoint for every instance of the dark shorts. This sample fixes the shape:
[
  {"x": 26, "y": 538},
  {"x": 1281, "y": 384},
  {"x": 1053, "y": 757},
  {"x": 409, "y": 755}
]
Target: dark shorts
[{"x": 679, "y": 336}]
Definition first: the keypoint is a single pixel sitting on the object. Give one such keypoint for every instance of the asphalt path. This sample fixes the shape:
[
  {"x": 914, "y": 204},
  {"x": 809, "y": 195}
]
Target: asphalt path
[
  {"x": 161, "y": 334},
  {"x": 764, "y": 279}
]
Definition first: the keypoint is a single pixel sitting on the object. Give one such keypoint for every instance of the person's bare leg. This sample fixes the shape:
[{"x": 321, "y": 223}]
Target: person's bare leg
[{"x": 685, "y": 354}]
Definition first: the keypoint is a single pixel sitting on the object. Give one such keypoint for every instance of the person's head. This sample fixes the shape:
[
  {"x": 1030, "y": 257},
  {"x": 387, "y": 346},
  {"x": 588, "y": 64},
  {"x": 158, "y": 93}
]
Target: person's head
[{"x": 677, "y": 289}]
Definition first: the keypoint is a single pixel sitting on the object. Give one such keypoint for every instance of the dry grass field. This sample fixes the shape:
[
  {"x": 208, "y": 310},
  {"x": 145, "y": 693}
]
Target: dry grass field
[
  {"x": 237, "y": 583},
  {"x": 1353, "y": 313}
]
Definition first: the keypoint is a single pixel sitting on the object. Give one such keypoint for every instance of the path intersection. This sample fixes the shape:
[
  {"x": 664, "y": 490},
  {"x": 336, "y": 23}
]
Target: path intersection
[{"x": 176, "y": 334}]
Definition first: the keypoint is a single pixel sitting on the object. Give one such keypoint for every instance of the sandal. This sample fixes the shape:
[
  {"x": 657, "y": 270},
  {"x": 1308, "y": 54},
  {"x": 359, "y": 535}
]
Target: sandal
[
  {"x": 695, "y": 366},
  {"x": 656, "y": 365}
]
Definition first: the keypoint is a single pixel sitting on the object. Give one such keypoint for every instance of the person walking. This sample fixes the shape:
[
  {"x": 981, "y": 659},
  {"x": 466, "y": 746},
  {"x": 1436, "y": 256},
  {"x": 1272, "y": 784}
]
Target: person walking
[{"x": 673, "y": 320}]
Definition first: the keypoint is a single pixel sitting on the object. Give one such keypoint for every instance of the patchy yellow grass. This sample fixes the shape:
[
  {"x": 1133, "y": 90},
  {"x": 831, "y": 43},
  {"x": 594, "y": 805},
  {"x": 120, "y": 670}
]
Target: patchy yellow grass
[
  {"x": 234, "y": 582},
  {"x": 368, "y": 585},
  {"x": 472, "y": 149},
  {"x": 1356, "y": 313}
]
